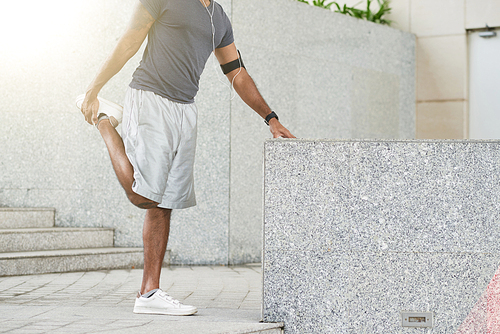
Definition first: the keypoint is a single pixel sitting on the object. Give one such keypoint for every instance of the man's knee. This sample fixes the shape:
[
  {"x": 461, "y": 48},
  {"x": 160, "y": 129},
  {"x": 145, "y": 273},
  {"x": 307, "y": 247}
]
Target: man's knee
[{"x": 140, "y": 201}]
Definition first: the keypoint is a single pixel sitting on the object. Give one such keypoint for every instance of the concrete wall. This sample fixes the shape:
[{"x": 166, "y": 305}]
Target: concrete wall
[
  {"x": 49, "y": 157},
  {"x": 358, "y": 231},
  {"x": 320, "y": 71},
  {"x": 327, "y": 76}
]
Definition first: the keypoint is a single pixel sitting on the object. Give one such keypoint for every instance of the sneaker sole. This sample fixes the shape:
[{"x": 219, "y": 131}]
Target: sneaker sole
[
  {"x": 111, "y": 109},
  {"x": 148, "y": 310}
]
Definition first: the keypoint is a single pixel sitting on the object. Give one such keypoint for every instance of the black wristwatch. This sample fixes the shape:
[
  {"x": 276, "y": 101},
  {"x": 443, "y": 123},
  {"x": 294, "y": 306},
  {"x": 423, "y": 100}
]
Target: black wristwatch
[{"x": 271, "y": 116}]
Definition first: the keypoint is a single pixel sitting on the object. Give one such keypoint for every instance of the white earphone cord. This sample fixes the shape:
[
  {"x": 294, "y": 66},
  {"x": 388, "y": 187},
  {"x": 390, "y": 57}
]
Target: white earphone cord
[{"x": 231, "y": 87}]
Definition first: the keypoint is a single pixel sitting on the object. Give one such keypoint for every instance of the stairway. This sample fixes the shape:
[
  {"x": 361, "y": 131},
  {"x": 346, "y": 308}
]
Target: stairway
[{"x": 31, "y": 244}]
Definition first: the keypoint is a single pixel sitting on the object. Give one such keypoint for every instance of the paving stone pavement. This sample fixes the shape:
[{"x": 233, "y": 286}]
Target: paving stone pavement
[{"x": 228, "y": 301}]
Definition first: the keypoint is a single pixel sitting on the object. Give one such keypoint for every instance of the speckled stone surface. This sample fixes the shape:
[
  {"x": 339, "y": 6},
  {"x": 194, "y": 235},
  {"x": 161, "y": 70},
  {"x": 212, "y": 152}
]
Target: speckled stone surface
[
  {"x": 35, "y": 239},
  {"x": 357, "y": 231},
  {"x": 69, "y": 260},
  {"x": 327, "y": 76},
  {"x": 26, "y": 218}
]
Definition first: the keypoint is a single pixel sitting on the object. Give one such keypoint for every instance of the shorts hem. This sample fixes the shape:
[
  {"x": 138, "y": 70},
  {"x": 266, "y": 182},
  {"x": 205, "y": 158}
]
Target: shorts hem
[
  {"x": 165, "y": 204},
  {"x": 149, "y": 195},
  {"x": 177, "y": 205}
]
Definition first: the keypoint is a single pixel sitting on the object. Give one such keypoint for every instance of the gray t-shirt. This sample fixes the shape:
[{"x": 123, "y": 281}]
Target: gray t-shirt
[{"x": 179, "y": 44}]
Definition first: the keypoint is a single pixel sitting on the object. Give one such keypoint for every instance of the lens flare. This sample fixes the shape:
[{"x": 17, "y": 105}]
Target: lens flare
[
  {"x": 33, "y": 26},
  {"x": 484, "y": 317}
]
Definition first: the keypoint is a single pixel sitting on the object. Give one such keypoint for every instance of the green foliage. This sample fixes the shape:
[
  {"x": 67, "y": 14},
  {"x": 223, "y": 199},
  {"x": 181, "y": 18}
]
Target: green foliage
[
  {"x": 368, "y": 14},
  {"x": 322, "y": 4}
]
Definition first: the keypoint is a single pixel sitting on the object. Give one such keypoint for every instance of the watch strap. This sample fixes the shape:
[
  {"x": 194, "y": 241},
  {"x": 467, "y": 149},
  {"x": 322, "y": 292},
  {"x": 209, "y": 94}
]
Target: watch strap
[{"x": 271, "y": 116}]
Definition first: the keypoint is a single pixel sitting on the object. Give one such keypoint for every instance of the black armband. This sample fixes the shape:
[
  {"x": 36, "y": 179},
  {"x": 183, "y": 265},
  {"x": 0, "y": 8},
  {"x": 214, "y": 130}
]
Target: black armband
[{"x": 231, "y": 66}]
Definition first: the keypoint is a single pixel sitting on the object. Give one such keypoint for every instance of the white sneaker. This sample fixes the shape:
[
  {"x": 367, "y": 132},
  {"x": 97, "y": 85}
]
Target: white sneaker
[
  {"x": 108, "y": 108},
  {"x": 161, "y": 303}
]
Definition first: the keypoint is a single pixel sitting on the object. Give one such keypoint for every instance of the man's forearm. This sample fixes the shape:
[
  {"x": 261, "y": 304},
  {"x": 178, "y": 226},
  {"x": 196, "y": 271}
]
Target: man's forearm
[
  {"x": 115, "y": 62},
  {"x": 125, "y": 49},
  {"x": 247, "y": 90}
]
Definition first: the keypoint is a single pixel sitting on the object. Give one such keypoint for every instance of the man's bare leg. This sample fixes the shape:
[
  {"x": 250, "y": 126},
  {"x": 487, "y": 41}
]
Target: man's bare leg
[
  {"x": 122, "y": 166},
  {"x": 157, "y": 222},
  {"x": 155, "y": 237}
]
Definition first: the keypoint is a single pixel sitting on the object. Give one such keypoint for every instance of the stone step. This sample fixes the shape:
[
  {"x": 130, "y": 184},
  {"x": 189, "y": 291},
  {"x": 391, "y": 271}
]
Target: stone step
[
  {"x": 278, "y": 330},
  {"x": 26, "y": 217},
  {"x": 38, "y": 239},
  {"x": 57, "y": 261}
]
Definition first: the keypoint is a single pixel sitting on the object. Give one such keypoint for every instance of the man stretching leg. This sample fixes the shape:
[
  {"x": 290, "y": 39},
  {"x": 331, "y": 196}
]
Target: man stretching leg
[{"x": 154, "y": 160}]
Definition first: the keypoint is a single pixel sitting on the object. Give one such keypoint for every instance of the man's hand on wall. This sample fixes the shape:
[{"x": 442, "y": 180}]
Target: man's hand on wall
[{"x": 279, "y": 130}]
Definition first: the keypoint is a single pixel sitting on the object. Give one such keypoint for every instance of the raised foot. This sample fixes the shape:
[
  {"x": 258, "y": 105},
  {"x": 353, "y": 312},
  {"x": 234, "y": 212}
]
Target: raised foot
[{"x": 107, "y": 108}]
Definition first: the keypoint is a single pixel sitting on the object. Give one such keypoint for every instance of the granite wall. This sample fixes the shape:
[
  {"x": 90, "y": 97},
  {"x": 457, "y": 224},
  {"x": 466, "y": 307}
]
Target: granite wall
[
  {"x": 326, "y": 75},
  {"x": 357, "y": 231}
]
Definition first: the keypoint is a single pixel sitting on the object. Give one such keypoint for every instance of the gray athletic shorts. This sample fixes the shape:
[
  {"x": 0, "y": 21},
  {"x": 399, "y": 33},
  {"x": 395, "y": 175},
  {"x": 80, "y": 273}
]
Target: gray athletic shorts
[{"x": 160, "y": 141}]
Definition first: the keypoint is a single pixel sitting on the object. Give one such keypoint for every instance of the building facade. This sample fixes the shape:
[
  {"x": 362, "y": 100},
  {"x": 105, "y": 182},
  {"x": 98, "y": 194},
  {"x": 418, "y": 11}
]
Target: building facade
[{"x": 444, "y": 29}]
